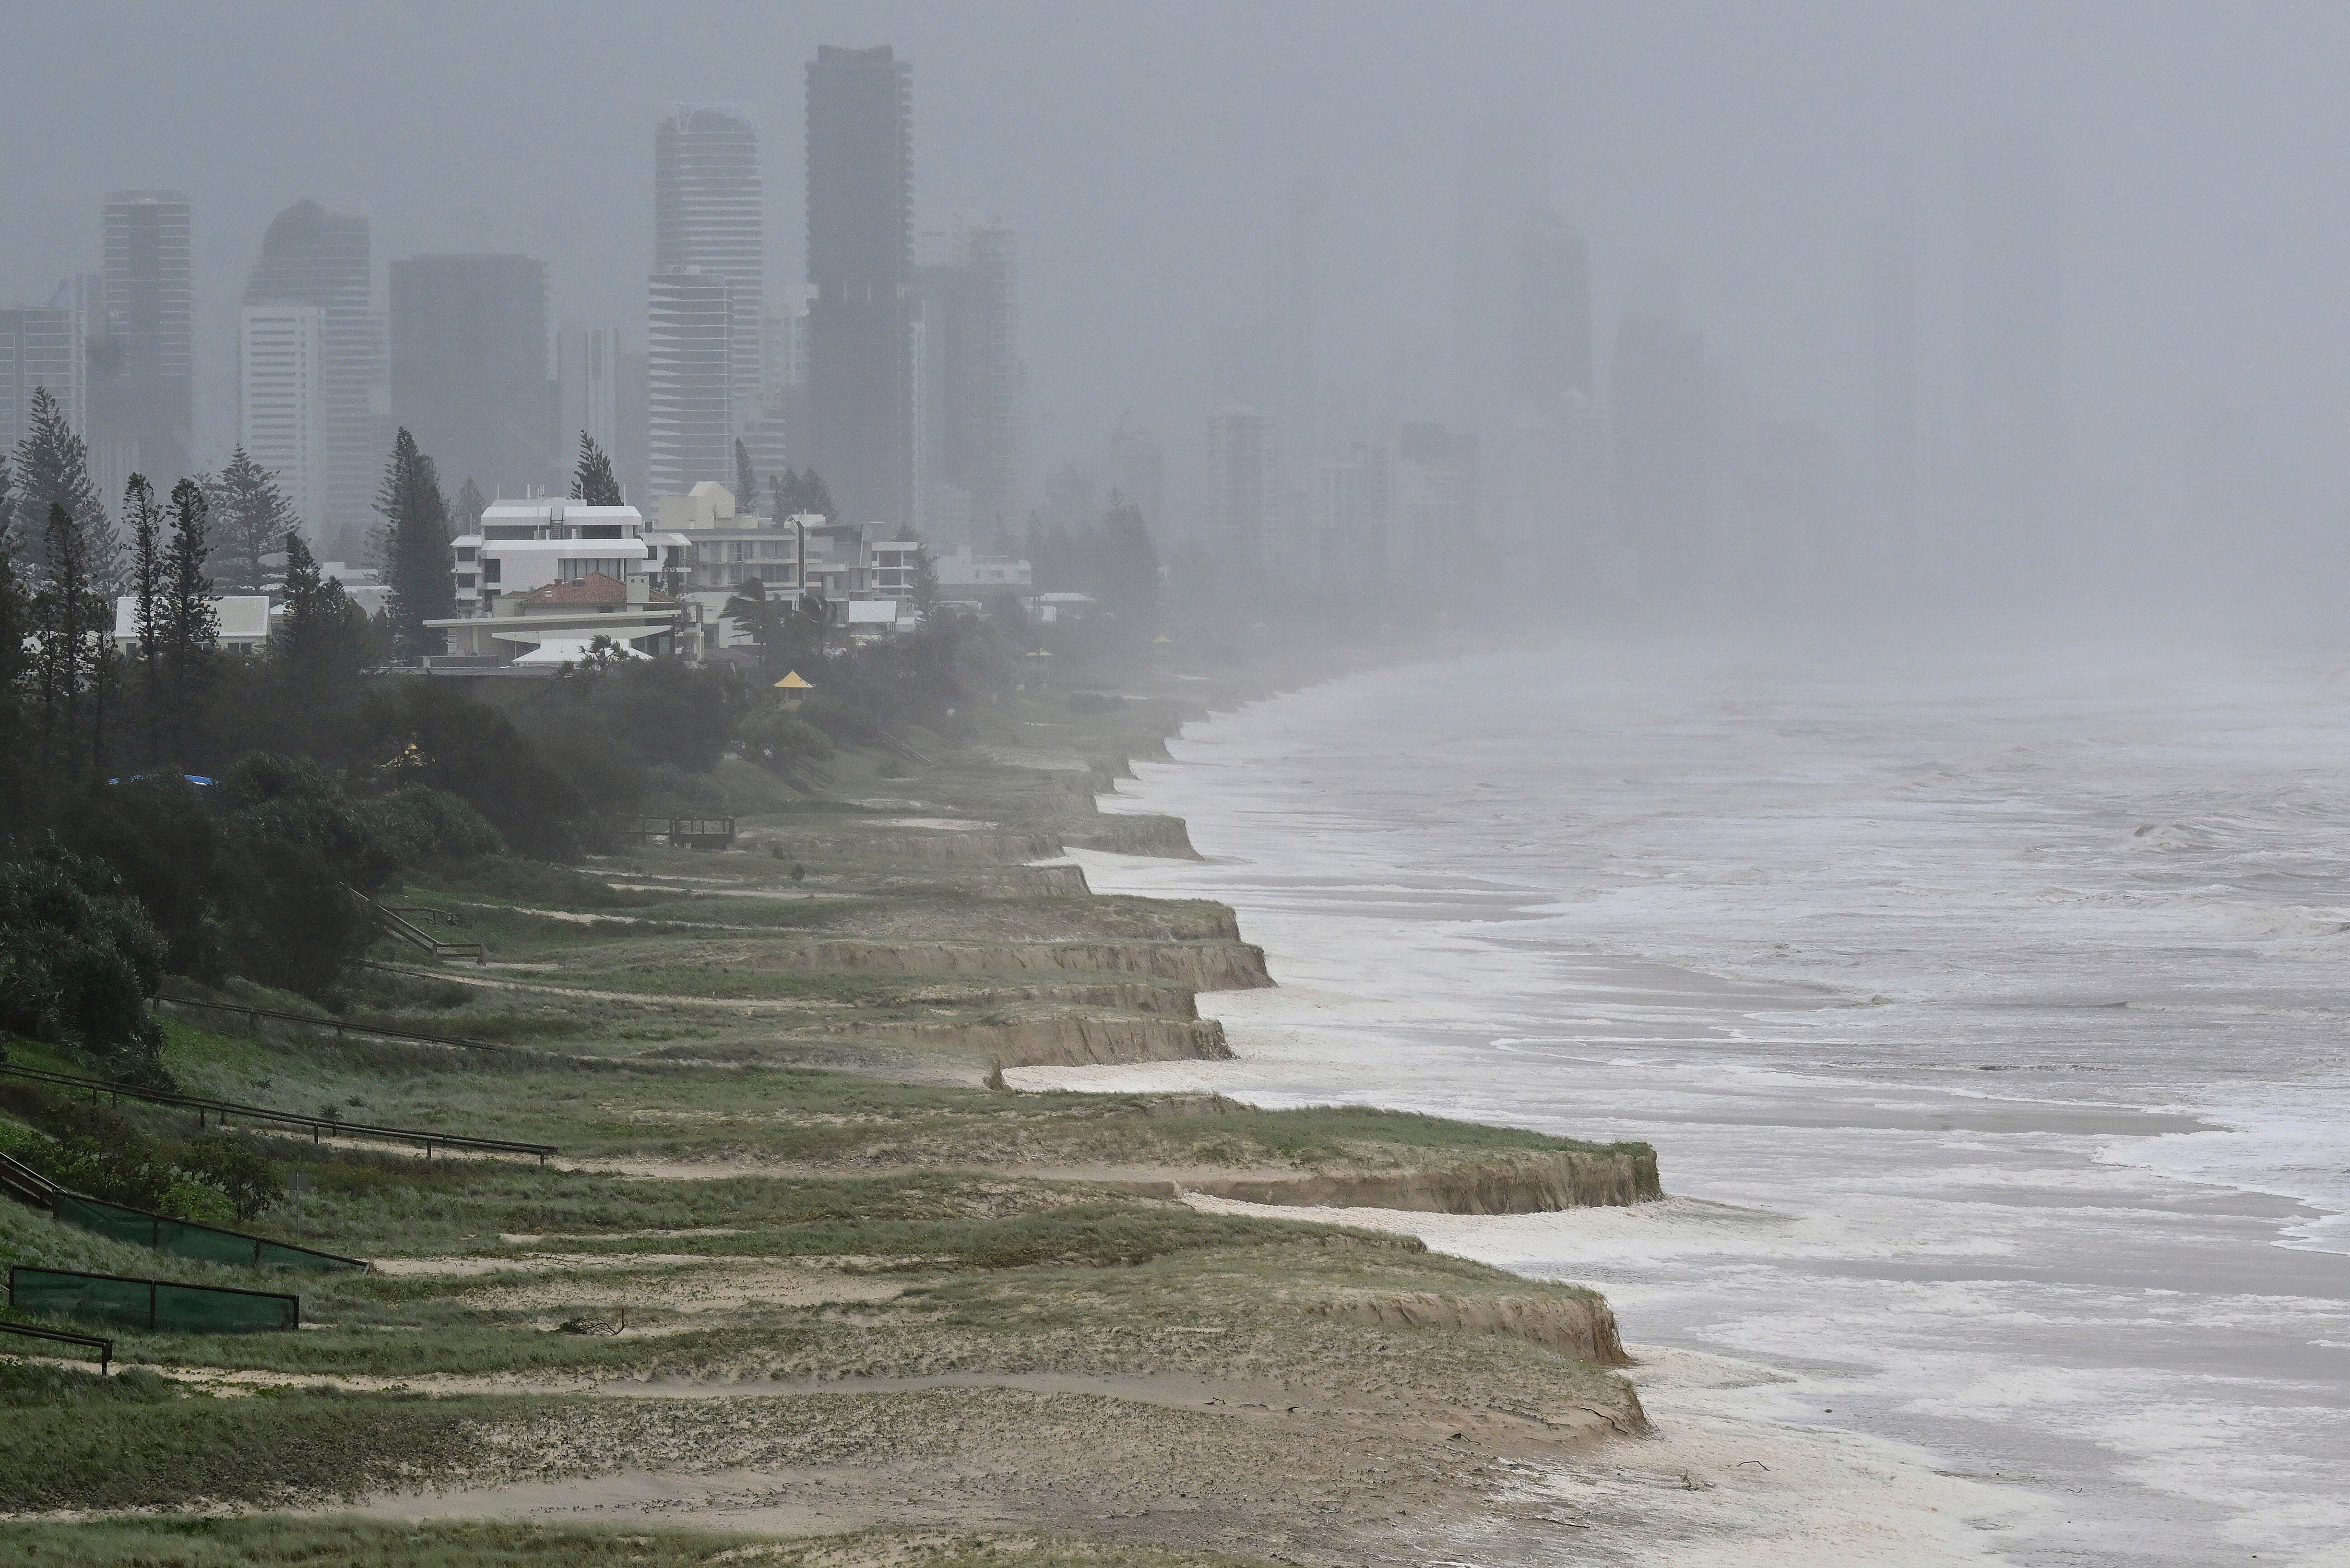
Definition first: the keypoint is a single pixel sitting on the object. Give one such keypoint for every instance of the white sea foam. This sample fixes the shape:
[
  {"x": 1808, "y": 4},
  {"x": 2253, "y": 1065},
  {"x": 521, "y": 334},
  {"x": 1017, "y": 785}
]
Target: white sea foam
[{"x": 1994, "y": 1013}]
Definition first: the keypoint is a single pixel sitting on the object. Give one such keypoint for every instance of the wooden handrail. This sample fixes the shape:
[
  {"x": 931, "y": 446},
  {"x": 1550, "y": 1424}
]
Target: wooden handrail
[
  {"x": 253, "y": 1015},
  {"x": 104, "y": 1346},
  {"x": 28, "y": 1186},
  {"x": 397, "y": 926},
  {"x": 317, "y": 1127}
]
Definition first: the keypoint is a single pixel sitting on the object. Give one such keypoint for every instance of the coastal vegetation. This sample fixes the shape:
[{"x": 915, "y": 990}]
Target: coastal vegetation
[{"x": 797, "y": 1223}]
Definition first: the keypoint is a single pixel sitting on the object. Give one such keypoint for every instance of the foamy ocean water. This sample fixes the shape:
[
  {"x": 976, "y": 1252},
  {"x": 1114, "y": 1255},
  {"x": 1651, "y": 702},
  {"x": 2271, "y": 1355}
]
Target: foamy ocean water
[{"x": 1992, "y": 1012}]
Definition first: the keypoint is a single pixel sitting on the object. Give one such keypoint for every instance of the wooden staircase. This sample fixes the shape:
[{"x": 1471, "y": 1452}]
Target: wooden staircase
[
  {"x": 395, "y": 924},
  {"x": 28, "y": 1186}
]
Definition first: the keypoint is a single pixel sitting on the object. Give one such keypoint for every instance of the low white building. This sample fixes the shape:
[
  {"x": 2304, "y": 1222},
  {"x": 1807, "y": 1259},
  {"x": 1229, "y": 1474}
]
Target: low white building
[
  {"x": 524, "y": 545},
  {"x": 729, "y": 546},
  {"x": 961, "y": 571},
  {"x": 557, "y": 624},
  {"x": 1056, "y": 610},
  {"x": 242, "y": 618},
  {"x": 870, "y": 619},
  {"x": 542, "y": 578}
]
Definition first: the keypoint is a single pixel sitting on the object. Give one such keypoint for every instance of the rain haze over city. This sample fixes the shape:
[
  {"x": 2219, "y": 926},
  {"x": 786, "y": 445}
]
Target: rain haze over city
[{"x": 974, "y": 637}]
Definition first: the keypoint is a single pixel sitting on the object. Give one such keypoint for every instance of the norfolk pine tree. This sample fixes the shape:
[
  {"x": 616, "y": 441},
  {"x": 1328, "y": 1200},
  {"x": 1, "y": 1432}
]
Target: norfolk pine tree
[
  {"x": 413, "y": 544},
  {"x": 471, "y": 504},
  {"x": 746, "y": 486},
  {"x": 63, "y": 613},
  {"x": 592, "y": 479},
  {"x": 53, "y": 470},
  {"x": 190, "y": 623},
  {"x": 802, "y": 492},
  {"x": 321, "y": 628},
  {"x": 249, "y": 518},
  {"x": 16, "y": 733},
  {"x": 148, "y": 598}
]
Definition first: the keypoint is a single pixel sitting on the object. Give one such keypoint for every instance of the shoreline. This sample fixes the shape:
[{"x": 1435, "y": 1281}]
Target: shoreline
[
  {"x": 875, "y": 1283},
  {"x": 1840, "y": 1495},
  {"x": 1415, "y": 968}
]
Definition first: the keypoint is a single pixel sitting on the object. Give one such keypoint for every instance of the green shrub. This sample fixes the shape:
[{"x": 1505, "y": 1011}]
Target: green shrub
[
  {"x": 784, "y": 743},
  {"x": 215, "y": 1178},
  {"x": 79, "y": 957}
]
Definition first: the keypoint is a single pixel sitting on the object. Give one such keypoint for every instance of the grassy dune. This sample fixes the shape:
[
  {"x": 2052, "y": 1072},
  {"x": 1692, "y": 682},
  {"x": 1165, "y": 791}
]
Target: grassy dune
[{"x": 793, "y": 1233}]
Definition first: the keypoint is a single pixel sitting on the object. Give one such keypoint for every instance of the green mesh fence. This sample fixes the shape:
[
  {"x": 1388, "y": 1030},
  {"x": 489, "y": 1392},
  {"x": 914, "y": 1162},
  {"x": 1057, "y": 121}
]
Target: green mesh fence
[
  {"x": 186, "y": 1238},
  {"x": 157, "y": 1304}
]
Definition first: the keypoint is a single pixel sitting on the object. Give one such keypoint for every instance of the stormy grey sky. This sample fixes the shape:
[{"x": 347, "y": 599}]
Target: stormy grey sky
[{"x": 1143, "y": 151}]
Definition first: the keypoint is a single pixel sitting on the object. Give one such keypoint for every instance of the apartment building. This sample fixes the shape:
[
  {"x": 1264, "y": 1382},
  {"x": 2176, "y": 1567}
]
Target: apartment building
[{"x": 541, "y": 579}]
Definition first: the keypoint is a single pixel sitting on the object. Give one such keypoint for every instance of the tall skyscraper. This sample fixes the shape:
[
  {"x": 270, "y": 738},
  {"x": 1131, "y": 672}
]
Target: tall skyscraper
[
  {"x": 690, "y": 332},
  {"x": 632, "y": 426},
  {"x": 860, "y": 216},
  {"x": 2014, "y": 330},
  {"x": 312, "y": 256},
  {"x": 969, "y": 413},
  {"x": 1551, "y": 339},
  {"x": 1299, "y": 414},
  {"x": 39, "y": 347},
  {"x": 282, "y": 400},
  {"x": 1894, "y": 322},
  {"x": 709, "y": 223},
  {"x": 780, "y": 420},
  {"x": 1353, "y": 513},
  {"x": 588, "y": 390},
  {"x": 469, "y": 368},
  {"x": 1503, "y": 175},
  {"x": 1240, "y": 462},
  {"x": 150, "y": 326}
]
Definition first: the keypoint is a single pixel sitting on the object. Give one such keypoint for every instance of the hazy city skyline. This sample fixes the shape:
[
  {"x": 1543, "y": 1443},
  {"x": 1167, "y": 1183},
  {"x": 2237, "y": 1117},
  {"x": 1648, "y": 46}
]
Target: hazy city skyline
[{"x": 1149, "y": 164}]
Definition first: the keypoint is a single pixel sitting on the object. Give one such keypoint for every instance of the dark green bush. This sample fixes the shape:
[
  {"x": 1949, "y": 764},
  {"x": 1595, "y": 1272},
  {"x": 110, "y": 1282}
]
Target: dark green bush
[{"x": 79, "y": 957}]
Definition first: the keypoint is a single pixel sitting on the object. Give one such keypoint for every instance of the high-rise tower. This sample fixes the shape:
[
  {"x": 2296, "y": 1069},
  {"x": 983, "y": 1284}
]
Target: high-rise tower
[
  {"x": 587, "y": 394},
  {"x": 312, "y": 256},
  {"x": 469, "y": 368},
  {"x": 1241, "y": 457},
  {"x": 1551, "y": 332},
  {"x": 37, "y": 349},
  {"x": 148, "y": 406},
  {"x": 281, "y": 377},
  {"x": 689, "y": 333},
  {"x": 709, "y": 254},
  {"x": 971, "y": 385},
  {"x": 861, "y": 217}
]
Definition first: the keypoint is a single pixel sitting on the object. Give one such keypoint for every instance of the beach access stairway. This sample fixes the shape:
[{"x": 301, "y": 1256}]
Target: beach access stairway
[{"x": 394, "y": 924}]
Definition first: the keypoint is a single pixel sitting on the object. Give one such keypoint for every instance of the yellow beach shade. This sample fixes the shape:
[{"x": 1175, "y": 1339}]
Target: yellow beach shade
[{"x": 792, "y": 683}]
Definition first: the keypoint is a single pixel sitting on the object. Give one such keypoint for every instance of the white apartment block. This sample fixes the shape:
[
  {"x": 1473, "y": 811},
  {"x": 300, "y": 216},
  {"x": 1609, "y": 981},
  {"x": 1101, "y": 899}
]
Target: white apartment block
[
  {"x": 282, "y": 402},
  {"x": 730, "y": 546},
  {"x": 524, "y": 545},
  {"x": 689, "y": 367},
  {"x": 543, "y": 579},
  {"x": 964, "y": 570}
]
